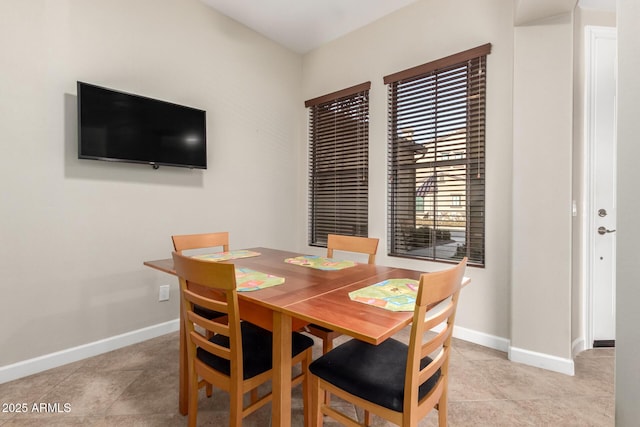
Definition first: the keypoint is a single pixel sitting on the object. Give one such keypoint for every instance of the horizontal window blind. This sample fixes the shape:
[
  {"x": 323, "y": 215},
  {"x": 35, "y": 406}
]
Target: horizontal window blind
[
  {"x": 437, "y": 159},
  {"x": 338, "y": 164}
]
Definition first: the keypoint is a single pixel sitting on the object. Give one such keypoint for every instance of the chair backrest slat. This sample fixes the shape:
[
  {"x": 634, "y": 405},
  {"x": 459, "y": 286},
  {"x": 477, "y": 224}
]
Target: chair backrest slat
[
  {"x": 435, "y": 342},
  {"x": 210, "y": 347},
  {"x": 216, "y": 327},
  {"x": 211, "y": 304},
  {"x": 363, "y": 245},
  {"x": 213, "y": 275},
  {"x": 432, "y": 367},
  {"x": 443, "y": 313},
  {"x": 198, "y": 241}
]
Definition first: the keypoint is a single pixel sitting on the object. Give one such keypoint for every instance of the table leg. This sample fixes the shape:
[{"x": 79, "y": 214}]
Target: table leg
[
  {"x": 183, "y": 381},
  {"x": 281, "y": 404}
]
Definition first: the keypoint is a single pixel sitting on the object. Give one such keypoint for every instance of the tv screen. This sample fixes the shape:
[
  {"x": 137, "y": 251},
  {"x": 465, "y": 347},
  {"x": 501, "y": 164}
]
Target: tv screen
[{"x": 119, "y": 126}]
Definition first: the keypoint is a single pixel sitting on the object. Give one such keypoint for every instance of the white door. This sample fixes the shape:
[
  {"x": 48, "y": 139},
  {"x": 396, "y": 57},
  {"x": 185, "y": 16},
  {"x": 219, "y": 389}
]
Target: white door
[{"x": 602, "y": 215}]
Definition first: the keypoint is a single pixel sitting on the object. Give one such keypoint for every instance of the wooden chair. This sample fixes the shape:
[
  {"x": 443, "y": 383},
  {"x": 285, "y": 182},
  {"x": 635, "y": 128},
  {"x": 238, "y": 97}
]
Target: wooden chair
[
  {"x": 335, "y": 242},
  {"x": 398, "y": 382},
  {"x": 238, "y": 357},
  {"x": 187, "y": 242}
]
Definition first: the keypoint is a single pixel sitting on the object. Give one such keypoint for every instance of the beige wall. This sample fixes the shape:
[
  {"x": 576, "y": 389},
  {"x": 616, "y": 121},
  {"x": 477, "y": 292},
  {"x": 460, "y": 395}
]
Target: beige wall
[
  {"x": 75, "y": 232},
  {"x": 628, "y": 236},
  {"x": 422, "y": 32},
  {"x": 542, "y": 109}
]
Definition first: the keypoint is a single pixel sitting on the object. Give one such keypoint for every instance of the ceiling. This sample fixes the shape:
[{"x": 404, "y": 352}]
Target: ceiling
[{"x": 303, "y": 25}]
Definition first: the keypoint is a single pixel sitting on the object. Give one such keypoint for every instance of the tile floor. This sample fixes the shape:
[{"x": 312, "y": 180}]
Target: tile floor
[{"x": 137, "y": 386}]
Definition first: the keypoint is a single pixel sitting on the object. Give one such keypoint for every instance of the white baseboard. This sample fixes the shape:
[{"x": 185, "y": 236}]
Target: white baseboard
[
  {"x": 542, "y": 360},
  {"x": 579, "y": 345},
  {"x": 480, "y": 338},
  {"x": 539, "y": 360},
  {"x": 60, "y": 358},
  {"x": 63, "y": 357}
]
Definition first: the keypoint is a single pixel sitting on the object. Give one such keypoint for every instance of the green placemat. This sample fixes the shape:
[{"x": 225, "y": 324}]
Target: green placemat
[
  {"x": 250, "y": 280},
  {"x": 320, "y": 263},
  {"x": 224, "y": 256},
  {"x": 392, "y": 294}
]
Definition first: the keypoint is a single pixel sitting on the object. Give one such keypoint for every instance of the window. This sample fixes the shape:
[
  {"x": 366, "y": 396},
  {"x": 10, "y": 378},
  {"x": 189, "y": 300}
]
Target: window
[
  {"x": 339, "y": 164},
  {"x": 437, "y": 159}
]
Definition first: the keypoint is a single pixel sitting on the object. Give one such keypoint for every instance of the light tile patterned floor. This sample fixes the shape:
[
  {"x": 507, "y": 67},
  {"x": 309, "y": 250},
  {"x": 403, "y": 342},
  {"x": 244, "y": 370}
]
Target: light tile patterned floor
[{"x": 137, "y": 386}]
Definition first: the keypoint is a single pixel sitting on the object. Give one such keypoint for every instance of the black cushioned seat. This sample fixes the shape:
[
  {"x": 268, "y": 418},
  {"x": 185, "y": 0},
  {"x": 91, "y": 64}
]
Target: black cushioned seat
[
  {"x": 257, "y": 350},
  {"x": 374, "y": 373}
]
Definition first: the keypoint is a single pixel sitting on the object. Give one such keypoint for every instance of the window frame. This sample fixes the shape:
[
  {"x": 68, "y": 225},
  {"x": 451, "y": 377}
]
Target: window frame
[
  {"x": 338, "y": 140},
  {"x": 425, "y": 112}
]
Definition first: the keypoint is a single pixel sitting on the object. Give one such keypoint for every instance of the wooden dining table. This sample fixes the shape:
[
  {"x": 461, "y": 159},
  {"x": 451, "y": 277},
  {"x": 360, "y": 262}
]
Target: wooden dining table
[{"x": 308, "y": 295}]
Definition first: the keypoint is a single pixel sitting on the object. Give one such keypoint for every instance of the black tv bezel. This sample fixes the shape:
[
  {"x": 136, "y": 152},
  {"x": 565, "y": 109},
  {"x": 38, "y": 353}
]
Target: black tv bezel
[{"x": 154, "y": 164}]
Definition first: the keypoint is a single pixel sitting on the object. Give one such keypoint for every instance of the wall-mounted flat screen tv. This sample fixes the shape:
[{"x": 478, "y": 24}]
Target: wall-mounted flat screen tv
[{"x": 119, "y": 126}]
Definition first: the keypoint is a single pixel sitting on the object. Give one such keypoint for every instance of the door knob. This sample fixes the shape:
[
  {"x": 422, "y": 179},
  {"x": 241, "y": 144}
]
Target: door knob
[{"x": 603, "y": 230}]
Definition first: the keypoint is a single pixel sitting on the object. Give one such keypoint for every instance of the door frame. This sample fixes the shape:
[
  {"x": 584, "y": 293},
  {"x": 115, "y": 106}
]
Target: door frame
[{"x": 592, "y": 34}]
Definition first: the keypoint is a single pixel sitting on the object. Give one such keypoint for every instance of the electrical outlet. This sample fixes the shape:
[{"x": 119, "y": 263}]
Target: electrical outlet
[{"x": 164, "y": 293}]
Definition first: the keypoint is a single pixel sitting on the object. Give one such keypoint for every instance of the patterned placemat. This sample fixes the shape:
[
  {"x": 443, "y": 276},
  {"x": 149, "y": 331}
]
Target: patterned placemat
[
  {"x": 320, "y": 263},
  {"x": 224, "y": 256},
  {"x": 250, "y": 280},
  {"x": 391, "y": 294}
]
